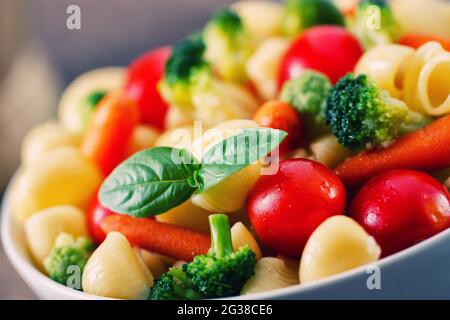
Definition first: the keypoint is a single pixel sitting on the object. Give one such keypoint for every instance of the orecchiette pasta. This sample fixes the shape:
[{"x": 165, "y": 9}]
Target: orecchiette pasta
[
  {"x": 261, "y": 18},
  {"x": 44, "y": 138},
  {"x": 116, "y": 270},
  {"x": 241, "y": 236},
  {"x": 328, "y": 151},
  {"x": 230, "y": 194},
  {"x": 44, "y": 226},
  {"x": 103, "y": 79},
  {"x": 63, "y": 176},
  {"x": 270, "y": 274},
  {"x": 337, "y": 245},
  {"x": 263, "y": 66}
]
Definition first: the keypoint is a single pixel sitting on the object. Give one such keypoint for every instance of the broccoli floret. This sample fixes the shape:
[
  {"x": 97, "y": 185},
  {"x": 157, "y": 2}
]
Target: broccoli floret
[
  {"x": 302, "y": 14},
  {"x": 66, "y": 253},
  {"x": 185, "y": 70},
  {"x": 308, "y": 94},
  {"x": 228, "y": 45},
  {"x": 360, "y": 115},
  {"x": 375, "y": 23},
  {"x": 220, "y": 273},
  {"x": 174, "y": 285}
]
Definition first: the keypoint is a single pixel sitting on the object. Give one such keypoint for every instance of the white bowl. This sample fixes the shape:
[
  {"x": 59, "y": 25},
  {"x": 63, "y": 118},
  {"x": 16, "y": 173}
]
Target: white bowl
[{"x": 419, "y": 272}]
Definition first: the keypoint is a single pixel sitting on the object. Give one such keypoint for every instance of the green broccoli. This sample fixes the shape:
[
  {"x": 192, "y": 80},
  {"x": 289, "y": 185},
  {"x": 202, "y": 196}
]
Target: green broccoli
[
  {"x": 308, "y": 94},
  {"x": 67, "y": 252},
  {"x": 228, "y": 45},
  {"x": 302, "y": 14},
  {"x": 220, "y": 273},
  {"x": 360, "y": 115},
  {"x": 375, "y": 24},
  {"x": 185, "y": 71}
]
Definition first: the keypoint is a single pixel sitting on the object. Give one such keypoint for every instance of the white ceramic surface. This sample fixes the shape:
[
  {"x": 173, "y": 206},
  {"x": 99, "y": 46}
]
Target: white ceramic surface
[{"x": 420, "y": 272}]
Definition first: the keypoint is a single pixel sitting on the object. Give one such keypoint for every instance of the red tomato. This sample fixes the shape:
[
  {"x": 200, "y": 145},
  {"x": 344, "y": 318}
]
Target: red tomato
[
  {"x": 95, "y": 213},
  {"x": 402, "y": 207},
  {"x": 331, "y": 50},
  {"x": 143, "y": 76},
  {"x": 280, "y": 115},
  {"x": 287, "y": 207},
  {"x": 107, "y": 139}
]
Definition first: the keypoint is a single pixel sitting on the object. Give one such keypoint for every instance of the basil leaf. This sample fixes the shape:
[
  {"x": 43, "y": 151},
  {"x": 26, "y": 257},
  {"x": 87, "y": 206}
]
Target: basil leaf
[
  {"x": 150, "y": 182},
  {"x": 236, "y": 152}
]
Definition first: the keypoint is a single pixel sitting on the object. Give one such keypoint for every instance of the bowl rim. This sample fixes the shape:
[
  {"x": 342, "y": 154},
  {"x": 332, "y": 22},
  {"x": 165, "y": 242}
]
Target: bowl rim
[{"x": 24, "y": 265}]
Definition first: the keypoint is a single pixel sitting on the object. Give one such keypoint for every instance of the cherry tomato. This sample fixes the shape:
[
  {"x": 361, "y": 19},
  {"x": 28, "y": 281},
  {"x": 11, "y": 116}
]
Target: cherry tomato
[
  {"x": 415, "y": 40},
  {"x": 108, "y": 136},
  {"x": 143, "y": 76},
  {"x": 285, "y": 208},
  {"x": 331, "y": 50},
  {"x": 280, "y": 115},
  {"x": 95, "y": 213},
  {"x": 401, "y": 207}
]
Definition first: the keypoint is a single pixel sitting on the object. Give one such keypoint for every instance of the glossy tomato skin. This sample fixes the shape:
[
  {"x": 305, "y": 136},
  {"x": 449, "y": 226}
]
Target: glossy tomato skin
[
  {"x": 95, "y": 213},
  {"x": 287, "y": 207},
  {"x": 142, "y": 80},
  {"x": 331, "y": 50},
  {"x": 280, "y": 115},
  {"x": 401, "y": 207}
]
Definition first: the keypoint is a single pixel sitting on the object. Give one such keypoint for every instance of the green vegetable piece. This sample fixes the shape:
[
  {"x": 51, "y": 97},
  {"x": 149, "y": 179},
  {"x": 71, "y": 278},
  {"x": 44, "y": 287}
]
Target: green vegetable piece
[
  {"x": 361, "y": 116},
  {"x": 308, "y": 94},
  {"x": 302, "y": 14},
  {"x": 375, "y": 23},
  {"x": 174, "y": 285},
  {"x": 94, "y": 98},
  {"x": 237, "y": 152},
  {"x": 150, "y": 182},
  {"x": 68, "y": 256}
]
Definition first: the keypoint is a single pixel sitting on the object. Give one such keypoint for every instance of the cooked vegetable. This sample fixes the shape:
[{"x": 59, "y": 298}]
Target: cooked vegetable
[
  {"x": 109, "y": 134},
  {"x": 228, "y": 44},
  {"x": 308, "y": 94},
  {"x": 337, "y": 245},
  {"x": 142, "y": 79},
  {"x": 303, "y": 193},
  {"x": 303, "y": 14},
  {"x": 375, "y": 23},
  {"x": 60, "y": 177},
  {"x": 416, "y": 40},
  {"x": 402, "y": 207},
  {"x": 116, "y": 270},
  {"x": 281, "y": 115},
  {"x": 94, "y": 215},
  {"x": 68, "y": 252},
  {"x": 44, "y": 226},
  {"x": 362, "y": 116},
  {"x": 220, "y": 273},
  {"x": 163, "y": 238},
  {"x": 332, "y": 50},
  {"x": 425, "y": 149}
]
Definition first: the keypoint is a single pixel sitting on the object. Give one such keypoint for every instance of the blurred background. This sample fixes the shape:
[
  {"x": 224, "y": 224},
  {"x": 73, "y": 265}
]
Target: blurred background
[{"x": 39, "y": 56}]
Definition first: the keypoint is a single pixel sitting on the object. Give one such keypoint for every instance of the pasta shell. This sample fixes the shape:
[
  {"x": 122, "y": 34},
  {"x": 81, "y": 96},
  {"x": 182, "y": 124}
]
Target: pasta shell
[
  {"x": 263, "y": 66},
  {"x": 116, "y": 270},
  {"x": 230, "y": 194},
  {"x": 178, "y": 116},
  {"x": 241, "y": 236},
  {"x": 270, "y": 274},
  {"x": 337, "y": 245},
  {"x": 156, "y": 263},
  {"x": 103, "y": 79},
  {"x": 44, "y": 226},
  {"x": 261, "y": 19},
  {"x": 63, "y": 176},
  {"x": 143, "y": 137},
  {"x": 328, "y": 151},
  {"x": 45, "y": 138}
]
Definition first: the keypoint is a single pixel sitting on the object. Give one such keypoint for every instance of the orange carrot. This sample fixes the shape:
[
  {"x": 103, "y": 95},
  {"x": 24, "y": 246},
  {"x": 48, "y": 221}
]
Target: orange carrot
[
  {"x": 425, "y": 149},
  {"x": 159, "y": 237},
  {"x": 416, "y": 40}
]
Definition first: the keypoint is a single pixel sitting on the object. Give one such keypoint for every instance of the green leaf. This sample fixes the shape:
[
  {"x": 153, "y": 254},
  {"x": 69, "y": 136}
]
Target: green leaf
[
  {"x": 237, "y": 152},
  {"x": 150, "y": 182}
]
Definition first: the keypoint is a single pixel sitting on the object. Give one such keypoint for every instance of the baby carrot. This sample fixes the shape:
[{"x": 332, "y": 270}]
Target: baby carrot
[
  {"x": 425, "y": 149},
  {"x": 159, "y": 237}
]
